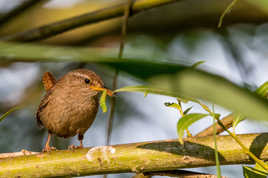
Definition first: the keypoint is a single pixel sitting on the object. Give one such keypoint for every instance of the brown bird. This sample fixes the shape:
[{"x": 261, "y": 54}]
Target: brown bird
[{"x": 70, "y": 104}]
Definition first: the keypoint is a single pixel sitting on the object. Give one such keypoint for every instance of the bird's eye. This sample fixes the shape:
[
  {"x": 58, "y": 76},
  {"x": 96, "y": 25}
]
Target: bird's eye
[{"x": 87, "y": 81}]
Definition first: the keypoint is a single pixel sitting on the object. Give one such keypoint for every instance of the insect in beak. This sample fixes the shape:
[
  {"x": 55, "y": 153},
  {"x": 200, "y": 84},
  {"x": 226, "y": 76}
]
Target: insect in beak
[{"x": 109, "y": 92}]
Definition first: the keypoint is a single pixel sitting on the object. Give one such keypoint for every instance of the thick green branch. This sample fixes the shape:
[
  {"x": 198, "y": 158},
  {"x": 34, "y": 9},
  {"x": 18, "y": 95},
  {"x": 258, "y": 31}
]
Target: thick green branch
[
  {"x": 84, "y": 19},
  {"x": 136, "y": 157}
]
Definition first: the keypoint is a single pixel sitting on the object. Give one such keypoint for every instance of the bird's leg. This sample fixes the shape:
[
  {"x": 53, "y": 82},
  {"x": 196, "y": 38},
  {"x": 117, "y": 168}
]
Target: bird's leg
[
  {"x": 47, "y": 147},
  {"x": 80, "y": 138}
]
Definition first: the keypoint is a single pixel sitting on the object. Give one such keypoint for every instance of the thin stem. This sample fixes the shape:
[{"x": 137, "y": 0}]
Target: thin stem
[
  {"x": 227, "y": 121},
  {"x": 120, "y": 55},
  {"x": 216, "y": 149},
  {"x": 227, "y": 10},
  {"x": 245, "y": 149}
]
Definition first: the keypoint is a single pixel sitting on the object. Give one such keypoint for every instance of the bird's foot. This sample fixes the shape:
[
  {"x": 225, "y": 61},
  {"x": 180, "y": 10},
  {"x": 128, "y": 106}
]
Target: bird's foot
[
  {"x": 26, "y": 152},
  {"x": 73, "y": 147},
  {"x": 49, "y": 149}
]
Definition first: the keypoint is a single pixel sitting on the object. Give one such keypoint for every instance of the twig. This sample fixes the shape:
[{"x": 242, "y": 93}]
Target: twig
[
  {"x": 226, "y": 121},
  {"x": 16, "y": 154},
  {"x": 22, "y": 7},
  {"x": 244, "y": 148},
  {"x": 122, "y": 42},
  {"x": 55, "y": 28},
  {"x": 121, "y": 49}
]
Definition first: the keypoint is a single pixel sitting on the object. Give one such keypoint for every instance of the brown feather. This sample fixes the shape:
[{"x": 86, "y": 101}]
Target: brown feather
[
  {"x": 48, "y": 80},
  {"x": 43, "y": 104}
]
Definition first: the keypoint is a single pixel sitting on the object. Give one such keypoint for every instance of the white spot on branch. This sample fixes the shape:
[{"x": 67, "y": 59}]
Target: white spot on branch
[{"x": 100, "y": 152}]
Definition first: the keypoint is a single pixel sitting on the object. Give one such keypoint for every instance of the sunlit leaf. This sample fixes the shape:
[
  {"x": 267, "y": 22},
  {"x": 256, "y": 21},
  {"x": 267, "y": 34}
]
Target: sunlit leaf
[
  {"x": 237, "y": 119},
  {"x": 165, "y": 78},
  {"x": 263, "y": 90},
  {"x": 195, "y": 65},
  {"x": 103, "y": 101},
  {"x": 186, "y": 121},
  {"x": 197, "y": 84},
  {"x": 250, "y": 172},
  {"x": 260, "y": 168},
  {"x": 176, "y": 106}
]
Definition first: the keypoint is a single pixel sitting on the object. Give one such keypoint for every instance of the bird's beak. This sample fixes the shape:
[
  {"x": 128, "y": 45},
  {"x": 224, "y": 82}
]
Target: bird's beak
[{"x": 109, "y": 92}]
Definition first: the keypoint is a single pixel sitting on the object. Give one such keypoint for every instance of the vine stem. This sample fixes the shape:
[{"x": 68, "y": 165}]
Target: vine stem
[
  {"x": 244, "y": 148},
  {"x": 115, "y": 78}
]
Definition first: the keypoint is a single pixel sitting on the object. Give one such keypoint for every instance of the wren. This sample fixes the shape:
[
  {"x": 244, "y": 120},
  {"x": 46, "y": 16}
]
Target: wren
[{"x": 70, "y": 104}]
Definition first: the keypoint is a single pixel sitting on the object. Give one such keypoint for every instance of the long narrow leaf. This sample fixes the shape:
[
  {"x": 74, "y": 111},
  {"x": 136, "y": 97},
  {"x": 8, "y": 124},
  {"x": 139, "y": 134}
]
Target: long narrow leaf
[
  {"x": 166, "y": 78},
  {"x": 186, "y": 121},
  {"x": 263, "y": 90},
  {"x": 250, "y": 172},
  {"x": 9, "y": 112},
  {"x": 103, "y": 101}
]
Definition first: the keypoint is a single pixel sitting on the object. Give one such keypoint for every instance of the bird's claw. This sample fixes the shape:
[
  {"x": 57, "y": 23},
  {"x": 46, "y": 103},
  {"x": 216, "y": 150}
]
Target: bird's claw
[
  {"x": 73, "y": 147},
  {"x": 49, "y": 149}
]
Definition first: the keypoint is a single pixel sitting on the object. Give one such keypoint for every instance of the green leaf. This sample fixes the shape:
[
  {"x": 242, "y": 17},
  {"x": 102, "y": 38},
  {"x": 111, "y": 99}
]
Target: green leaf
[
  {"x": 186, "y": 121},
  {"x": 237, "y": 119},
  {"x": 103, "y": 101},
  {"x": 164, "y": 78},
  {"x": 173, "y": 105},
  {"x": 263, "y": 90},
  {"x": 195, "y": 65},
  {"x": 187, "y": 110},
  {"x": 259, "y": 4},
  {"x": 198, "y": 84},
  {"x": 250, "y": 172},
  {"x": 260, "y": 168},
  {"x": 9, "y": 112},
  {"x": 176, "y": 106}
]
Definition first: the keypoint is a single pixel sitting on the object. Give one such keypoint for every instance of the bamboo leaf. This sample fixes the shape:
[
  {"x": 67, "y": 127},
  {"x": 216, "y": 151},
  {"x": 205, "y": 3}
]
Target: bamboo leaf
[
  {"x": 250, "y": 172},
  {"x": 186, "y": 121},
  {"x": 173, "y": 105},
  {"x": 195, "y": 65},
  {"x": 164, "y": 78},
  {"x": 176, "y": 106},
  {"x": 260, "y": 168},
  {"x": 187, "y": 110},
  {"x": 263, "y": 90},
  {"x": 197, "y": 84},
  {"x": 103, "y": 101},
  {"x": 237, "y": 119}
]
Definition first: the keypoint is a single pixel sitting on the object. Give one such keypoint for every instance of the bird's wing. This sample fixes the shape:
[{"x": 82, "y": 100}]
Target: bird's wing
[
  {"x": 48, "y": 81},
  {"x": 43, "y": 104}
]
